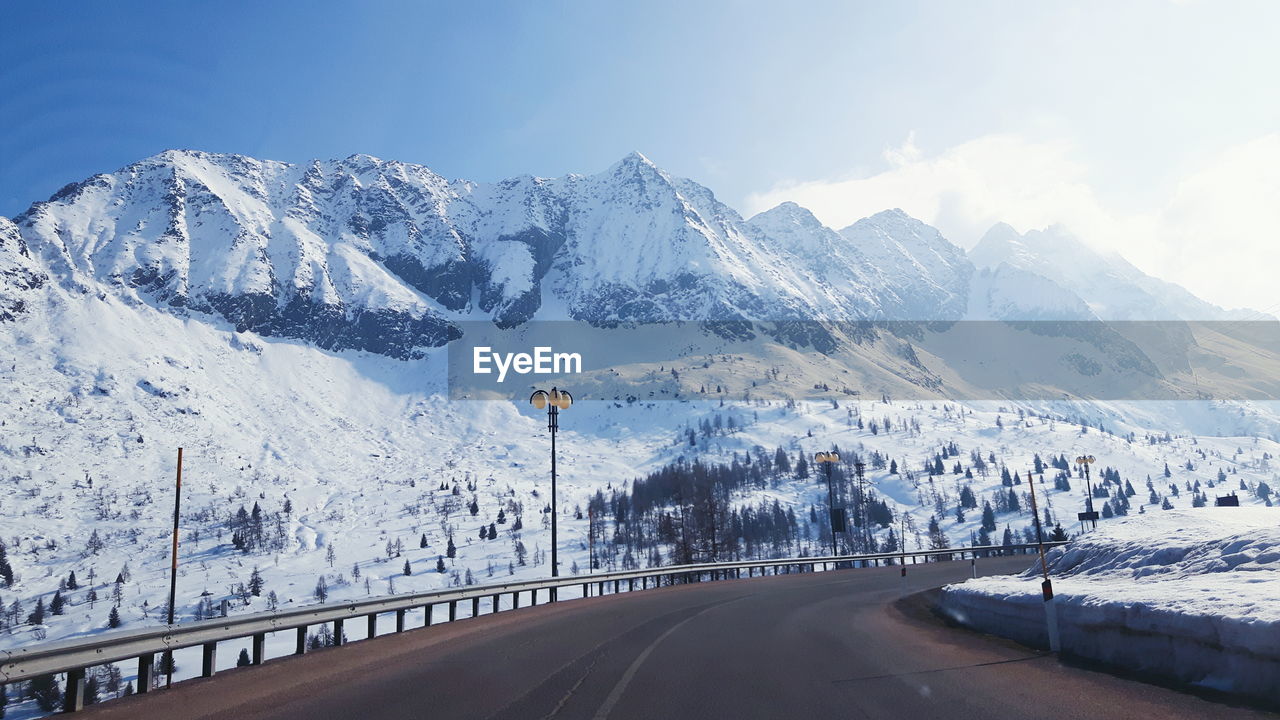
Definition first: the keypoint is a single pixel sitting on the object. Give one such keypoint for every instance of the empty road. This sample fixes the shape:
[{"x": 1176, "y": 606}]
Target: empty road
[{"x": 822, "y": 645}]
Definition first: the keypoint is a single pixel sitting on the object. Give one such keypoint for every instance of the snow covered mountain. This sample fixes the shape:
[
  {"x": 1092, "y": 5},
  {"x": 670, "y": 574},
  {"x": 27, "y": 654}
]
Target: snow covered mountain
[
  {"x": 385, "y": 256},
  {"x": 1111, "y": 286}
]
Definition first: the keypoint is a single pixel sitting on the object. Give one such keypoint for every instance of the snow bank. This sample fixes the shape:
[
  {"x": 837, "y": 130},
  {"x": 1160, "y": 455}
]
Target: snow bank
[{"x": 1192, "y": 596}]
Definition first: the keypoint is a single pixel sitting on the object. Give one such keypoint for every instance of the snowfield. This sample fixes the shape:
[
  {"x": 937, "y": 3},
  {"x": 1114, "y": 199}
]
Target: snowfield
[{"x": 1189, "y": 595}]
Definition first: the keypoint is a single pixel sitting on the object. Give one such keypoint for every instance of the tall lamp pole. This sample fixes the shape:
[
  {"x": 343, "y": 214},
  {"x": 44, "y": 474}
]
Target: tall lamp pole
[
  {"x": 829, "y": 459},
  {"x": 1085, "y": 461},
  {"x": 173, "y": 565},
  {"x": 554, "y": 401}
]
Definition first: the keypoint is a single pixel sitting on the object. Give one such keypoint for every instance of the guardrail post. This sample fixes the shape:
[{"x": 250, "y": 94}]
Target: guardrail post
[
  {"x": 493, "y": 599},
  {"x": 301, "y": 648},
  {"x": 259, "y": 648},
  {"x": 373, "y": 625},
  {"x": 400, "y": 620},
  {"x": 146, "y": 671},
  {"x": 475, "y": 606},
  {"x": 337, "y": 632},
  {"x": 208, "y": 659},
  {"x": 631, "y": 584},
  {"x": 73, "y": 696},
  {"x": 426, "y": 612},
  {"x": 586, "y": 590},
  {"x": 515, "y": 600},
  {"x": 533, "y": 597},
  {"x": 554, "y": 594}
]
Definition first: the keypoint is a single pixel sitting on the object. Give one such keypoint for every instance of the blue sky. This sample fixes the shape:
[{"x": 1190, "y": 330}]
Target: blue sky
[{"x": 1118, "y": 107}]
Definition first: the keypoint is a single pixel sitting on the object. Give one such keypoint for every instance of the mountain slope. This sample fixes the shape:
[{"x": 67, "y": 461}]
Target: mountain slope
[{"x": 1112, "y": 287}]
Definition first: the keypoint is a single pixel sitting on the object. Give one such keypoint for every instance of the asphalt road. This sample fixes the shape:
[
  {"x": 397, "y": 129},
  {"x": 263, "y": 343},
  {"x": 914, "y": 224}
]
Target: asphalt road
[{"x": 822, "y": 645}]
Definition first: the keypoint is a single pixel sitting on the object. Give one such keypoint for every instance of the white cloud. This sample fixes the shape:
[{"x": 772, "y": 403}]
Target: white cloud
[{"x": 1218, "y": 233}]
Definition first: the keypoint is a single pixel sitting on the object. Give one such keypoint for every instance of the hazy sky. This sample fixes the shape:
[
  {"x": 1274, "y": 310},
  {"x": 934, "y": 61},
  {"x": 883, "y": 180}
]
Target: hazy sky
[{"x": 1149, "y": 127}]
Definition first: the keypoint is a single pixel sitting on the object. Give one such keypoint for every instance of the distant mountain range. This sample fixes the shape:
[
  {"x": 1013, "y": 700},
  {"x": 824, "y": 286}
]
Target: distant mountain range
[{"x": 389, "y": 257}]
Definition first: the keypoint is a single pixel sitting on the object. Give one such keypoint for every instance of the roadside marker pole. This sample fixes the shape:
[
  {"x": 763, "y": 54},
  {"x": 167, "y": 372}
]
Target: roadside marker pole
[{"x": 1050, "y": 610}]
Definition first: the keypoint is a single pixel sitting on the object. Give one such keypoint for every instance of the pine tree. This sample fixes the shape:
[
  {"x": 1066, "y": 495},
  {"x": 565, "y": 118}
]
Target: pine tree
[
  {"x": 57, "y": 603},
  {"x": 113, "y": 618},
  {"x": 937, "y": 539},
  {"x": 256, "y": 583},
  {"x": 95, "y": 543},
  {"x": 37, "y": 616},
  {"x": 407, "y": 569},
  {"x": 91, "y": 690},
  {"x": 321, "y": 591},
  {"x": 72, "y": 583},
  {"x": 988, "y": 517},
  {"x": 451, "y": 550},
  {"x": 6, "y": 570},
  {"x": 422, "y": 543},
  {"x": 45, "y": 690},
  {"x": 440, "y": 564}
]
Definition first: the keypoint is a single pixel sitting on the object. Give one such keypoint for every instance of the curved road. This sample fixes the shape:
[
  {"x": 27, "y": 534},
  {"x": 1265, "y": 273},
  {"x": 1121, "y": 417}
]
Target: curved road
[{"x": 822, "y": 645}]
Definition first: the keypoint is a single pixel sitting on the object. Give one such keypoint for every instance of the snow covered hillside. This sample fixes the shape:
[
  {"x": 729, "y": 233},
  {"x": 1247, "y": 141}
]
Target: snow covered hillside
[
  {"x": 1186, "y": 594},
  {"x": 355, "y": 460}
]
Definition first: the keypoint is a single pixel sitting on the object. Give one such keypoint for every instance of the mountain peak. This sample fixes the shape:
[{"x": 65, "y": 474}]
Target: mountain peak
[
  {"x": 637, "y": 157},
  {"x": 634, "y": 163},
  {"x": 787, "y": 212}
]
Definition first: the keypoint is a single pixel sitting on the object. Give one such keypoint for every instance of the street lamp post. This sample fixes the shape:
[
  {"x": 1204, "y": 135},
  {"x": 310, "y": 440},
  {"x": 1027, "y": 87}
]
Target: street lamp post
[
  {"x": 554, "y": 401},
  {"x": 828, "y": 459},
  {"x": 1085, "y": 461},
  {"x": 173, "y": 565}
]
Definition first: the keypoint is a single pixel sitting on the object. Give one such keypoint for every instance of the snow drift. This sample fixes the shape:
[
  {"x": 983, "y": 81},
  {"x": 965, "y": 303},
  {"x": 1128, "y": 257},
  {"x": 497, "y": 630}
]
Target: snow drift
[{"x": 1186, "y": 595}]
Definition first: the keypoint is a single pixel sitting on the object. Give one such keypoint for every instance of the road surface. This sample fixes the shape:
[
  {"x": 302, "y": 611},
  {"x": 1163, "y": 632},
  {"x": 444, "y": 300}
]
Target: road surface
[{"x": 820, "y": 645}]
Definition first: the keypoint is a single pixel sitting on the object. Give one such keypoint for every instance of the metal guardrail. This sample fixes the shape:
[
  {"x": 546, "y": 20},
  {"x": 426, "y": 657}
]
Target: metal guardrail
[{"x": 73, "y": 657}]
